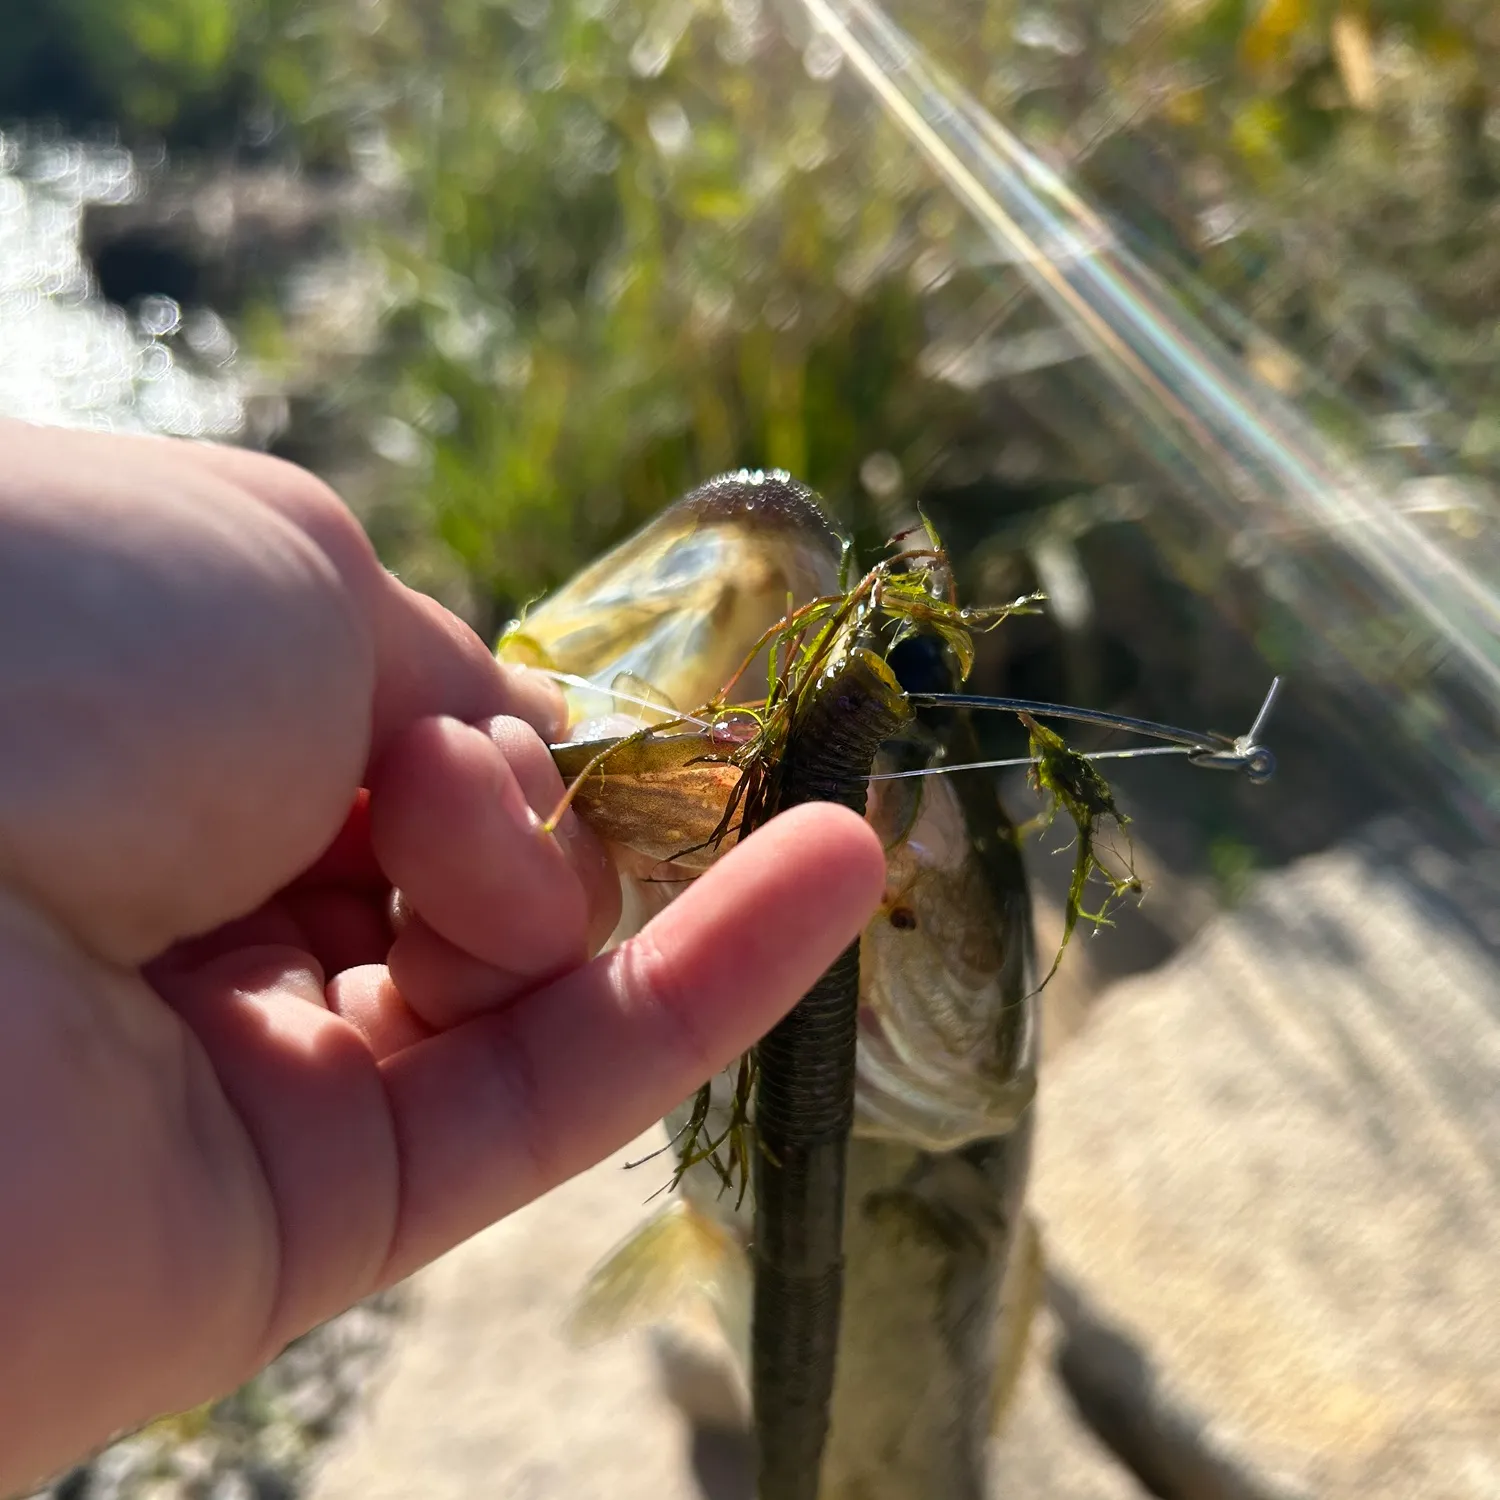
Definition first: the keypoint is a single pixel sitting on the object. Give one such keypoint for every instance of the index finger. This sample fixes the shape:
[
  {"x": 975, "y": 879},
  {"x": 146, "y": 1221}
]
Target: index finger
[{"x": 494, "y": 1113}]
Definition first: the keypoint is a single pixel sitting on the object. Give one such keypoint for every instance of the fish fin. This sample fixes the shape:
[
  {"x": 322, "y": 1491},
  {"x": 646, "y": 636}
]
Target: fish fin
[
  {"x": 1020, "y": 1296},
  {"x": 680, "y": 1253}
]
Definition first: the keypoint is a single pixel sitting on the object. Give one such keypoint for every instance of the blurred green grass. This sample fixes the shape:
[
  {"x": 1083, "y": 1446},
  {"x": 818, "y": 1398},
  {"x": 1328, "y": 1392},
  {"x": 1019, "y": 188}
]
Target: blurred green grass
[{"x": 633, "y": 243}]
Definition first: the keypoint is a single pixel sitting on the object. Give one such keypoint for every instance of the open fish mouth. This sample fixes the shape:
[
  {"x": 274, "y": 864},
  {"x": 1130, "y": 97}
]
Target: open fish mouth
[{"x": 675, "y": 608}]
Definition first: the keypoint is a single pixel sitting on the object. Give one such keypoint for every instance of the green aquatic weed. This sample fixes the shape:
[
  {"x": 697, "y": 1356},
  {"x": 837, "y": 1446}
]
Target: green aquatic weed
[{"x": 1075, "y": 786}]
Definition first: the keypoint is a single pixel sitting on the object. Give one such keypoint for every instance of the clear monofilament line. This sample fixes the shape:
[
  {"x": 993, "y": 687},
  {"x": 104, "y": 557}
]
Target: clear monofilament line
[
  {"x": 572, "y": 679},
  {"x": 1252, "y": 736},
  {"x": 1029, "y": 760},
  {"x": 1189, "y": 739},
  {"x": 1203, "y": 747}
]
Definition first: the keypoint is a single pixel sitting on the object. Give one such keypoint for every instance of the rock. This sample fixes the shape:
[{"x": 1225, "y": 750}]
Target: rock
[
  {"x": 1269, "y": 1180},
  {"x": 119, "y": 1469},
  {"x": 313, "y": 1403},
  {"x": 191, "y": 1462},
  {"x": 254, "y": 1443},
  {"x": 483, "y": 1395}
]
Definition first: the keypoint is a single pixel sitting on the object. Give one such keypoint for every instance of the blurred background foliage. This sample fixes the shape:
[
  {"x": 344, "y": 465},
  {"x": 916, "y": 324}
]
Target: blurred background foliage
[
  {"x": 521, "y": 271},
  {"x": 627, "y": 243}
]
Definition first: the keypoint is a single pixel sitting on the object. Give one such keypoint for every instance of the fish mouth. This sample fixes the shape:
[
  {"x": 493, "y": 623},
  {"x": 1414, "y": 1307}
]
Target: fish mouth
[{"x": 680, "y": 604}]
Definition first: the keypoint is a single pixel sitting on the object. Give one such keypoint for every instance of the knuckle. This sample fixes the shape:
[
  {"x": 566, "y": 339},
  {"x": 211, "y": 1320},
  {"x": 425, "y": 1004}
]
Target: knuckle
[{"x": 650, "y": 988}]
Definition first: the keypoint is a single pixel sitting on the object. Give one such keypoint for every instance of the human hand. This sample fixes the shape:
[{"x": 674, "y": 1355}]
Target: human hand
[{"x": 231, "y": 1103}]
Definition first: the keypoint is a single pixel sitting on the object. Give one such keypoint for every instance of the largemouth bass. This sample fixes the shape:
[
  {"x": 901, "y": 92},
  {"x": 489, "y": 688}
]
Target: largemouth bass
[{"x": 940, "y": 1268}]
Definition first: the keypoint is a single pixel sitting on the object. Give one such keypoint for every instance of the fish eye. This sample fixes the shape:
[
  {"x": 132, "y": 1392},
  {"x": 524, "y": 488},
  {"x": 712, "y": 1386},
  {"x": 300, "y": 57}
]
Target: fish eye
[{"x": 903, "y": 919}]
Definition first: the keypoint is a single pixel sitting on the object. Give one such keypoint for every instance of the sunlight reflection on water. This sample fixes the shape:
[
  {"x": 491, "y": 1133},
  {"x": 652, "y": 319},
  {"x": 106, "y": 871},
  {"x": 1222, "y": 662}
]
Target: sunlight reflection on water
[{"x": 69, "y": 358}]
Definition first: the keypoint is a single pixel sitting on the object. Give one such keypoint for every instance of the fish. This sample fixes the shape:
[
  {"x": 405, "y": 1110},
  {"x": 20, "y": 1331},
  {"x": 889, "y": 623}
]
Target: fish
[{"x": 941, "y": 1265}]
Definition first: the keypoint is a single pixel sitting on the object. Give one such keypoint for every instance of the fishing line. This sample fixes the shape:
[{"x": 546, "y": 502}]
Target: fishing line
[
  {"x": 1202, "y": 747},
  {"x": 1192, "y": 739},
  {"x": 1029, "y": 760},
  {"x": 571, "y": 679}
]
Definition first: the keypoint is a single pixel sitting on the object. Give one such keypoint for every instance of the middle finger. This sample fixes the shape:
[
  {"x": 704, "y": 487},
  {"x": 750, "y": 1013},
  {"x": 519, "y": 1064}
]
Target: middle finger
[{"x": 499, "y": 903}]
